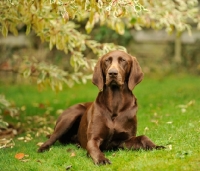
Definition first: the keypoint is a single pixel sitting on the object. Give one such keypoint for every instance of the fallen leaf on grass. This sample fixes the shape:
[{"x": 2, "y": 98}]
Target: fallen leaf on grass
[
  {"x": 41, "y": 106},
  {"x": 170, "y": 122},
  {"x": 69, "y": 150},
  {"x": 8, "y": 133},
  {"x": 183, "y": 110},
  {"x": 22, "y": 157},
  {"x": 4, "y": 143},
  {"x": 68, "y": 167},
  {"x": 20, "y": 138},
  {"x": 59, "y": 111},
  {"x": 73, "y": 154},
  {"x": 39, "y": 161},
  {"x": 169, "y": 147},
  {"x": 154, "y": 121},
  {"x": 25, "y": 160},
  {"x": 183, "y": 154},
  {"x": 23, "y": 108},
  {"x": 146, "y": 129},
  {"x": 19, "y": 156},
  {"x": 185, "y": 106},
  {"x": 39, "y": 144},
  {"x": 26, "y": 138}
]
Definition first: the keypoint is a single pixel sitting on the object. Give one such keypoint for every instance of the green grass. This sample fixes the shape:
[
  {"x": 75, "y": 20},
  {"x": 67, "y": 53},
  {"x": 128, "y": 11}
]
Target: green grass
[{"x": 169, "y": 113}]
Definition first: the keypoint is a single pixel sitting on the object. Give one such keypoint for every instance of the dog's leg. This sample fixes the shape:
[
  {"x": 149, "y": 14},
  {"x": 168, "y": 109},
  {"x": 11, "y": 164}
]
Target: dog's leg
[
  {"x": 60, "y": 129},
  {"x": 95, "y": 153},
  {"x": 140, "y": 142},
  {"x": 64, "y": 123}
]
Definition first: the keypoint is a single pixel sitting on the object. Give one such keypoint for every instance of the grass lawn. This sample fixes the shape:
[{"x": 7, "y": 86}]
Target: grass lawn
[{"x": 169, "y": 113}]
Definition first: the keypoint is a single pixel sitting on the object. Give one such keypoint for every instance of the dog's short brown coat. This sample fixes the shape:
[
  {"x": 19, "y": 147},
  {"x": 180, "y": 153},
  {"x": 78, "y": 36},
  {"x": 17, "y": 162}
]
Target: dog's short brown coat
[{"x": 110, "y": 121}]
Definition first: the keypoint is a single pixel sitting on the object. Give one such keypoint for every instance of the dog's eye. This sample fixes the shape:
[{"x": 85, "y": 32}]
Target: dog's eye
[
  {"x": 122, "y": 60},
  {"x": 108, "y": 60}
]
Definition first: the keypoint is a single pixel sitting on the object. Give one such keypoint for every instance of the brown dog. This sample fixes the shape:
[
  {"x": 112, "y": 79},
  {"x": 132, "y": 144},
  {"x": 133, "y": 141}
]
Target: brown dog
[{"x": 110, "y": 121}]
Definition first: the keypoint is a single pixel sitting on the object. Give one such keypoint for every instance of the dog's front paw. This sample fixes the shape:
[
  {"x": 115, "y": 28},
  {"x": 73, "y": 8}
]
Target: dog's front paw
[
  {"x": 43, "y": 148},
  {"x": 102, "y": 161}
]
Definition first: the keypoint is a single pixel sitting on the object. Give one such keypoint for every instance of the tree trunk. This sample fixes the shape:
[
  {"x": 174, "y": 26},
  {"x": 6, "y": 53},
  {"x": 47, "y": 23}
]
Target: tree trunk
[{"x": 177, "y": 48}]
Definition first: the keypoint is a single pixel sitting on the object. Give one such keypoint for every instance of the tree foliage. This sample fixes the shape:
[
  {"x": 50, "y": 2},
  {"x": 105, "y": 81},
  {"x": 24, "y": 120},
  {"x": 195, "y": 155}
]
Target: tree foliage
[
  {"x": 6, "y": 107},
  {"x": 57, "y": 22},
  {"x": 170, "y": 14}
]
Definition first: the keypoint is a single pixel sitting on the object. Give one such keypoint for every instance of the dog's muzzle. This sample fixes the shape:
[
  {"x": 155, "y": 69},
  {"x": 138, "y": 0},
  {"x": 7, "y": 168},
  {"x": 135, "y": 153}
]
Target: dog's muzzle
[{"x": 113, "y": 77}]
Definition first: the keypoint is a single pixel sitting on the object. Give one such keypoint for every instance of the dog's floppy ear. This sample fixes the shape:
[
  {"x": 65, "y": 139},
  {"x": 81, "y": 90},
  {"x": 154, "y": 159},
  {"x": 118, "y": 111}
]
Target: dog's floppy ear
[
  {"x": 136, "y": 74},
  {"x": 97, "y": 78}
]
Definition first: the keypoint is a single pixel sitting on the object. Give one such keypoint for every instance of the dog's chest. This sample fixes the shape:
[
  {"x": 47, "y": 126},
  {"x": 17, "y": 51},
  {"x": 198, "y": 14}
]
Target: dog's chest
[
  {"x": 121, "y": 126},
  {"x": 117, "y": 133}
]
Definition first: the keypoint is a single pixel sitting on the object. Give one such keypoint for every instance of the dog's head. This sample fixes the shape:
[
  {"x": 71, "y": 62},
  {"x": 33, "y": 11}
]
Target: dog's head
[{"x": 115, "y": 68}]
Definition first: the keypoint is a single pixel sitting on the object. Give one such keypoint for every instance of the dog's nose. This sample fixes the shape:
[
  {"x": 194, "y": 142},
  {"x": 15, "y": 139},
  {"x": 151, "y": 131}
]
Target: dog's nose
[{"x": 113, "y": 72}]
